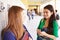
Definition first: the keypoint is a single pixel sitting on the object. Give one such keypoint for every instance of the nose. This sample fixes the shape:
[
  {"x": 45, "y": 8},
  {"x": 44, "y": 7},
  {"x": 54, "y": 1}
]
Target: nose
[{"x": 44, "y": 14}]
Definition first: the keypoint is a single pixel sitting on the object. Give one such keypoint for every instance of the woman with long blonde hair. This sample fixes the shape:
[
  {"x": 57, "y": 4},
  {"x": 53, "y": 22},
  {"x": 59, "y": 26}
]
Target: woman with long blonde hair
[{"x": 14, "y": 29}]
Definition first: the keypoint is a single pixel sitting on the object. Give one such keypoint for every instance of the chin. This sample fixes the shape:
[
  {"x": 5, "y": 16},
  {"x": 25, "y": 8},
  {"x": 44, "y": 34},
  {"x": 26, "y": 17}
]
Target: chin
[{"x": 46, "y": 18}]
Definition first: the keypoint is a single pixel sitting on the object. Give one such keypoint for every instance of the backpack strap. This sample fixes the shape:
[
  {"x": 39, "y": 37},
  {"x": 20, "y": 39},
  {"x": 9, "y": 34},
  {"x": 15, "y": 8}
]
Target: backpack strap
[{"x": 27, "y": 31}]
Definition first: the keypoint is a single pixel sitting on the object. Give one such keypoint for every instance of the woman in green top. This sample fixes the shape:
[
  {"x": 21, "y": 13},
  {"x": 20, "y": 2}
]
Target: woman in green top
[{"x": 48, "y": 27}]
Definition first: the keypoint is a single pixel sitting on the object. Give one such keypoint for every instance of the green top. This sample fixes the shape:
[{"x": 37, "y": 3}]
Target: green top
[{"x": 55, "y": 27}]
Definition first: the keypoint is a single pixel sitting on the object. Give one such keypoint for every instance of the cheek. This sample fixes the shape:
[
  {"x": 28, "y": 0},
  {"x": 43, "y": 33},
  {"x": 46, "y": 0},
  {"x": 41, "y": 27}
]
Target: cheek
[
  {"x": 49, "y": 15},
  {"x": 45, "y": 15}
]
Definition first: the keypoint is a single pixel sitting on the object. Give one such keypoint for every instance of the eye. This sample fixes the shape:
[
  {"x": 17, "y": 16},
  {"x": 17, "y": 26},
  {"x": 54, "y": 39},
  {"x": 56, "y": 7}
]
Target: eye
[{"x": 46, "y": 12}]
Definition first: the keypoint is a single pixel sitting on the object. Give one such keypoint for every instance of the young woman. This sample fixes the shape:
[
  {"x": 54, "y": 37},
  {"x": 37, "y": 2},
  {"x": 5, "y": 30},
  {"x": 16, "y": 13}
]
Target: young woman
[
  {"x": 48, "y": 27},
  {"x": 15, "y": 29}
]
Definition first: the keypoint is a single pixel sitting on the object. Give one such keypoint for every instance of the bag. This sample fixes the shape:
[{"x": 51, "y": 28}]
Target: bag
[{"x": 26, "y": 36}]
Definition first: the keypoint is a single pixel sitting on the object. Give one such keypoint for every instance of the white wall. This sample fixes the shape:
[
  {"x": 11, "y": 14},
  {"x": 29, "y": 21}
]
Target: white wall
[
  {"x": 3, "y": 16},
  {"x": 43, "y": 5},
  {"x": 58, "y": 6}
]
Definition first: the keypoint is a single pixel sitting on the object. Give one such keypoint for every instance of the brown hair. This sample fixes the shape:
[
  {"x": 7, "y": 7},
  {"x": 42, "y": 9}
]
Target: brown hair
[
  {"x": 15, "y": 21},
  {"x": 52, "y": 18}
]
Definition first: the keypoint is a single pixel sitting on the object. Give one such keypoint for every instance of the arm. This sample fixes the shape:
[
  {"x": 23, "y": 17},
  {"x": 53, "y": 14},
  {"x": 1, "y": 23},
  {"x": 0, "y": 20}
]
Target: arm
[
  {"x": 41, "y": 24},
  {"x": 55, "y": 28},
  {"x": 8, "y": 36},
  {"x": 39, "y": 32},
  {"x": 45, "y": 34},
  {"x": 55, "y": 31},
  {"x": 48, "y": 35}
]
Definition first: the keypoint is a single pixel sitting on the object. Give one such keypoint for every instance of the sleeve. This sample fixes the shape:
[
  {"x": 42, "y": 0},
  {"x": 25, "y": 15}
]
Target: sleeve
[
  {"x": 55, "y": 28},
  {"x": 8, "y": 36}
]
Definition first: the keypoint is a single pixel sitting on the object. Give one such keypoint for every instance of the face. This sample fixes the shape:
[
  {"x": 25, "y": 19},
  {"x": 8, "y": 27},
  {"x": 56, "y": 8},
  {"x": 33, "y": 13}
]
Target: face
[{"x": 47, "y": 13}]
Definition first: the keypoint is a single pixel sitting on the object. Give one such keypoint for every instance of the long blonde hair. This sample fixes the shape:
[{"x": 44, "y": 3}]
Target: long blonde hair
[{"x": 15, "y": 21}]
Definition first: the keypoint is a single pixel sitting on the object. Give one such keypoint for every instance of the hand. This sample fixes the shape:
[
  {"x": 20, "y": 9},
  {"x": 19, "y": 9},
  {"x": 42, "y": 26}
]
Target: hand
[
  {"x": 48, "y": 35},
  {"x": 43, "y": 33},
  {"x": 39, "y": 32},
  {"x": 53, "y": 37},
  {"x": 30, "y": 38}
]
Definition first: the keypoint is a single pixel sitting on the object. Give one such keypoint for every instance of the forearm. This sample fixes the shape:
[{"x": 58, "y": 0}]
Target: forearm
[
  {"x": 51, "y": 36},
  {"x": 48, "y": 35},
  {"x": 39, "y": 32}
]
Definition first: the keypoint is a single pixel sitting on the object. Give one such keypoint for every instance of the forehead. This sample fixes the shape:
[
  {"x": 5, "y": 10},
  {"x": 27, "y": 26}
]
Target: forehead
[{"x": 46, "y": 10}]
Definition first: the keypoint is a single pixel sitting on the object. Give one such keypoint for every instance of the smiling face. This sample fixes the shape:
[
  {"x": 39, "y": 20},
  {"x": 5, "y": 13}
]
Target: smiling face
[{"x": 47, "y": 13}]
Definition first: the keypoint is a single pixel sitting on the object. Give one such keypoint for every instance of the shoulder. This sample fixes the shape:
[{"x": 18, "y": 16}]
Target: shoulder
[
  {"x": 55, "y": 23},
  {"x": 8, "y": 35}
]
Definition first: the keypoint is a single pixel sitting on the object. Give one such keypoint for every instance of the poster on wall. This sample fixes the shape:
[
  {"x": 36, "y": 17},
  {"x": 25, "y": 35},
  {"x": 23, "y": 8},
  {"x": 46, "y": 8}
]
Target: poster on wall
[{"x": 1, "y": 7}]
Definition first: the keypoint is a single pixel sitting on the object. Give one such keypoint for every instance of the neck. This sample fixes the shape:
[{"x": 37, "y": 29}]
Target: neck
[{"x": 47, "y": 19}]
